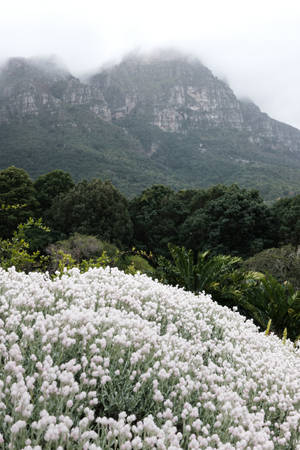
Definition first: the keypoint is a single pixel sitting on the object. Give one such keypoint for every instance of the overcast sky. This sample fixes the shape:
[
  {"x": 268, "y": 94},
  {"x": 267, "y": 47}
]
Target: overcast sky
[{"x": 253, "y": 44}]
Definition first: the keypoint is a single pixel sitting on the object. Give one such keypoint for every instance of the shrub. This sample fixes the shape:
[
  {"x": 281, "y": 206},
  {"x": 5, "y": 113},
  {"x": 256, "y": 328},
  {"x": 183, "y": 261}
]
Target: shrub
[
  {"x": 87, "y": 252},
  {"x": 17, "y": 251},
  {"x": 17, "y": 200},
  {"x": 282, "y": 263}
]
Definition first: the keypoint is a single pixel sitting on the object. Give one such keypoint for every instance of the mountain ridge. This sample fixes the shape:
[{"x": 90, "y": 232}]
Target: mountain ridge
[{"x": 141, "y": 122}]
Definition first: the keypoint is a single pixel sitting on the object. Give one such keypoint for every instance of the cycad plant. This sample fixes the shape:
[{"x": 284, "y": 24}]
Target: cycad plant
[
  {"x": 258, "y": 296},
  {"x": 279, "y": 302},
  {"x": 220, "y": 275}
]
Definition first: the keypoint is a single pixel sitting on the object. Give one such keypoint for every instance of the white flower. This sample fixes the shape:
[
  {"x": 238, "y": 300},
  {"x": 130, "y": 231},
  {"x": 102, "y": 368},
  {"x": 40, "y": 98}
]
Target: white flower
[
  {"x": 84, "y": 339},
  {"x": 17, "y": 426}
]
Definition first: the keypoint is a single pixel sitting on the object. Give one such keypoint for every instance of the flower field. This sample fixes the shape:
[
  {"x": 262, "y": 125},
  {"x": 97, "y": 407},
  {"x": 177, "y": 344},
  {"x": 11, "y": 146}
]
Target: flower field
[{"x": 104, "y": 360}]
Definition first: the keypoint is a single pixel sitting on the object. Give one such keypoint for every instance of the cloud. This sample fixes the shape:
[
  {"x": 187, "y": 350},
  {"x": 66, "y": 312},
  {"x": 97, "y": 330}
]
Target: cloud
[{"x": 254, "y": 44}]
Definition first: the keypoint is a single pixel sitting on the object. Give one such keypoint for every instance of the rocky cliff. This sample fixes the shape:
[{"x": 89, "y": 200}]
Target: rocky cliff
[
  {"x": 181, "y": 94},
  {"x": 146, "y": 120},
  {"x": 172, "y": 94},
  {"x": 33, "y": 87}
]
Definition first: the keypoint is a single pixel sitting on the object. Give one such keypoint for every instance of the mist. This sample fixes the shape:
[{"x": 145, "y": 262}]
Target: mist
[{"x": 253, "y": 45}]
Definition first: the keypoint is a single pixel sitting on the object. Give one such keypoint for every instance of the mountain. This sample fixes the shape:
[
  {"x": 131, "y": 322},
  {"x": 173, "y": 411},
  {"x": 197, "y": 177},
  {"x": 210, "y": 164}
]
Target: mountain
[
  {"x": 149, "y": 119},
  {"x": 50, "y": 120}
]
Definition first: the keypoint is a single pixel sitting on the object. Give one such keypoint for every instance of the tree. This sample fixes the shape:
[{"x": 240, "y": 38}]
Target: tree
[
  {"x": 49, "y": 186},
  {"x": 156, "y": 215},
  {"x": 17, "y": 199},
  {"x": 287, "y": 213},
  {"x": 234, "y": 221},
  {"x": 93, "y": 208}
]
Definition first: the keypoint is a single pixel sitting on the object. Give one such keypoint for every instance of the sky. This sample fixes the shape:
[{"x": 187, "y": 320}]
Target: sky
[{"x": 252, "y": 44}]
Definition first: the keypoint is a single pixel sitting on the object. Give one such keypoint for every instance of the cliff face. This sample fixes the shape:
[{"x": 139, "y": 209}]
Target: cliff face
[
  {"x": 180, "y": 95},
  {"x": 176, "y": 95},
  {"x": 261, "y": 126},
  {"x": 143, "y": 121},
  {"x": 31, "y": 88},
  {"x": 173, "y": 95}
]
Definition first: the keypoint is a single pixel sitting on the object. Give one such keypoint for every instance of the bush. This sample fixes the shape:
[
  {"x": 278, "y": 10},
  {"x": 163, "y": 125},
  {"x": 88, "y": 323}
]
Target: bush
[
  {"x": 79, "y": 247},
  {"x": 17, "y": 251},
  {"x": 140, "y": 264},
  {"x": 88, "y": 251},
  {"x": 17, "y": 200},
  {"x": 282, "y": 263}
]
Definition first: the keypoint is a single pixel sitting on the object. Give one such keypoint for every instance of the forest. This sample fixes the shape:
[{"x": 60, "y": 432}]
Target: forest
[{"x": 223, "y": 240}]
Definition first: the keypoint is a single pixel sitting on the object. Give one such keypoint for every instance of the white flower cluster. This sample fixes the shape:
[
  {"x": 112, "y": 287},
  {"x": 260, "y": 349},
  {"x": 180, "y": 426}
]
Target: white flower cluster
[{"x": 104, "y": 360}]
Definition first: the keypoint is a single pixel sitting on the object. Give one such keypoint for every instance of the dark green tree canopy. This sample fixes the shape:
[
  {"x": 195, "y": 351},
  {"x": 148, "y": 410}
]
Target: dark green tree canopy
[
  {"x": 17, "y": 199},
  {"x": 50, "y": 185},
  {"x": 235, "y": 222},
  {"x": 156, "y": 214},
  {"x": 287, "y": 212},
  {"x": 224, "y": 219},
  {"x": 197, "y": 199},
  {"x": 93, "y": 208}
]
